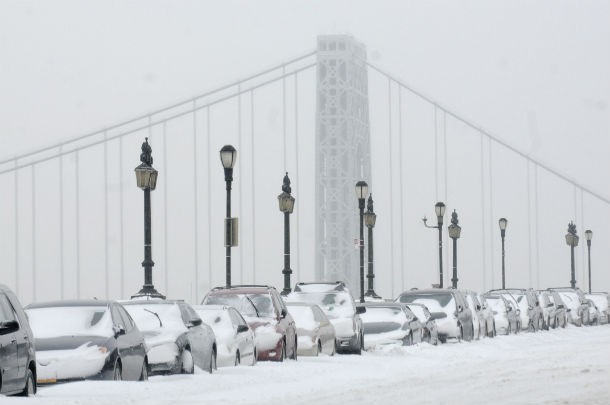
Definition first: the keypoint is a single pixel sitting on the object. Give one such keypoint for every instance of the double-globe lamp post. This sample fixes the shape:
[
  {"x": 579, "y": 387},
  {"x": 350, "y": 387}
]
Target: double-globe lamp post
[
  {"x": 286, "y": 202},
  {"x": 369, "y": 220},
  {"x": 454, "y": 233},
  {"x": 589, "y": 236},
  {"x": 228, "y": 157},
  {"x": 439, "y": 209},
  {"x": 362, "y": 190},
  {"x": 146, "y": 178},
  {"x": 572, "y": 241},
  {"x": 503, "y": 222}
]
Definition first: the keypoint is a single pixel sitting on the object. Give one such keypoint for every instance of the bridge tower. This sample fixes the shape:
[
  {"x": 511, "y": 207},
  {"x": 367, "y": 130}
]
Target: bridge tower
[{"x": 342, "y": 155}]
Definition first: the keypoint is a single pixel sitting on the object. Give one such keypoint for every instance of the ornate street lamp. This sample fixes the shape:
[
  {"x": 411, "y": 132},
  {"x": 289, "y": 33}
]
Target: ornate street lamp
[
  {"x": 454, "y": 233},
  {"x": 439, "y": 209},
  {"x": 146, "y": 178},
  {"x": 362, "y": 190},
  {"x": 369, "y": 220},
  {"x": 503, "y": 222},
  {"x": 589, "y": 236},
  {"x": 228, "y": 157},
  {"x": 572, "y": 240},
  {"x": 286, "y": 202}
]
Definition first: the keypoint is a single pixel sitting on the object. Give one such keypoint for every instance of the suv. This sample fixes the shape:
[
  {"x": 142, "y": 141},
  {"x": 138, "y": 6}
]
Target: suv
[
  {"x": 17, "y": 354},
  {"x": 532, "y": 315},
  {"x": 337, "y": 303},
  {"x": 448, "y": 307},
  {"x": 265, "y": 312},
  {"x": 575, "y": 305}
]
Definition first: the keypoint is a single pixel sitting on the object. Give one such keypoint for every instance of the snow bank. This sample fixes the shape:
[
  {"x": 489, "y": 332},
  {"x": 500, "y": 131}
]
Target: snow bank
[{"x": 85, "y": 361}]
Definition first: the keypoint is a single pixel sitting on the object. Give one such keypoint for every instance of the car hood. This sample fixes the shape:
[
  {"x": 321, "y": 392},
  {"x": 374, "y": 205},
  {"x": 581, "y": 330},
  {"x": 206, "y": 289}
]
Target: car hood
[{"x": 69, "y": 342}]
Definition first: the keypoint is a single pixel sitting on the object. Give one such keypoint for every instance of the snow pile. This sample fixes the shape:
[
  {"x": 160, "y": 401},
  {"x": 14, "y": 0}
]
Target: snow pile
[{"x": 84, "y": 361}]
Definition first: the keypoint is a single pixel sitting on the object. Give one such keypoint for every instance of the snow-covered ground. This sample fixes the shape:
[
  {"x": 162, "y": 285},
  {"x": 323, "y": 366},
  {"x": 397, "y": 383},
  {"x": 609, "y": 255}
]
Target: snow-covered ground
[{"x": 559, "y": 366}]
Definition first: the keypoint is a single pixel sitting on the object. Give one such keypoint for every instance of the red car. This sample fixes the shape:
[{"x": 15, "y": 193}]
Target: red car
[{"x": 265, "y": 312}]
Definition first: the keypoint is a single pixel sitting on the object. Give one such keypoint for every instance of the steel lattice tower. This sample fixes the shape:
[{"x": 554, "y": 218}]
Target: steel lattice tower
[{"x": 342, "y": 155}]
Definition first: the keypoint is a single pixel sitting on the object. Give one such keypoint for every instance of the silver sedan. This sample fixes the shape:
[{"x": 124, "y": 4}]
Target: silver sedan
[{"x": 316, "y": 334}]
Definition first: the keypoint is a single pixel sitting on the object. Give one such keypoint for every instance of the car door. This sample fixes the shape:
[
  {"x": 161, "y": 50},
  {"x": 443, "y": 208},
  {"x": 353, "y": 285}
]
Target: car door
[
  {"x": 9, "y": 354},
  {"x": 287, "y": 323},
  {"x": 134, "y": 343},
  {"x": 327, "y": 331},
  {"x": 196, "y": 335},
  {"x": 243, "y": 340},
  {"x": 122, "y": 343},
  {"x": 465, "y": 316}
]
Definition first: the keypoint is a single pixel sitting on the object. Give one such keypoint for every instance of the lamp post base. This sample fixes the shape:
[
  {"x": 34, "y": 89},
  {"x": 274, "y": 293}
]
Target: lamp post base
[
  {"x": 372, "y": 294},
  {"x": 148, "y": 291}
]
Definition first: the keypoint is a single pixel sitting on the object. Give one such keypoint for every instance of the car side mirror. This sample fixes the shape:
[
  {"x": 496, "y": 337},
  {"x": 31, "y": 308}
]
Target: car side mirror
[
  {"x": 537, "y": 303},
  {"x": 193, "y": 322},
  {"x": 550, "y": 305},
  {"x": 242, "y": 328},
  {"x": 8, "y": 327},
  {"x": 460, "y": 308},
  {"x": 478, "y": 307},
  {"x": 118, "y": 330},
  {"x": 283, "y": 313},
  {"x": 360, "y": 310},
  {"x": 509, "y": 308}
]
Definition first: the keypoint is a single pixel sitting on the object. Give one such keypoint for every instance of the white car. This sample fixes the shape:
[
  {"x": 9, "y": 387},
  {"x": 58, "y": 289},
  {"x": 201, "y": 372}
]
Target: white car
[
  {"x": 234, "y": 338},
  {"x": 602, "y": 302}
]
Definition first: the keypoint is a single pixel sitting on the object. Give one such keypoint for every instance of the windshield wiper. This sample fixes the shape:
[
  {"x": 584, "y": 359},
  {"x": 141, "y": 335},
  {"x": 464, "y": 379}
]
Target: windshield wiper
[
  {"x": 255, "y": 309},
  {"x": 155, "y": 314}
]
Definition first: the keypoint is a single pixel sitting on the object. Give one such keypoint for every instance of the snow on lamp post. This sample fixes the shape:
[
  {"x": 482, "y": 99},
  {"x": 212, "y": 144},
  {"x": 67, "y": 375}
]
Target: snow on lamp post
[
  {"x": 503, "y": 222},
  {"x": 589, "y": 236},
  {"x": 454, "y": 233},
  {"x": 572, "y": 241},
  {"x": 286, "y": 203},
  {"x": 370, "y": 218},
  {"x": 439, "y": 209},
  {"x": 362, "y": 189},
  {"x": 228, "y": 157}
]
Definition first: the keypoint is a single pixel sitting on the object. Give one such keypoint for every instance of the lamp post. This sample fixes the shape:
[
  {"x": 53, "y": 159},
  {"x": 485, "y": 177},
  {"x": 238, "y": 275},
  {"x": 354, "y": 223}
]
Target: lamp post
[
  {"x": 454, "y": 233},
  {"x": 286, "y": 202},
  {"x": 589, "y": 236},
  {"x": 572, "y": 240},
  {"x": 369, "y": 220},
  {"x": 228, "y": 156},
  {"x": 503, "y": 222},
  {"x": 146, "y": 178},
  {"x": 362, "y": 189},
  {"x": 439, "y": 209}
]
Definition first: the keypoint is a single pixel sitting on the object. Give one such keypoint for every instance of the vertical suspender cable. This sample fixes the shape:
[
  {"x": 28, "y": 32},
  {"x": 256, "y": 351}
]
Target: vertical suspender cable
[
  {"x": 253, "y": 188},
  {"x": 284, "y": 115},
  {"x": 121, "y": 218},
  {"x": 491, "y": 209},
  {"x": 165, "y": 187},
  {"x": 16, "y": 197},
  {"x": 61, "y": 224},
  {"x": 34, "y": 232},
  {"x": 195, "y": 202},
  {"x": 537, "y": 236},
  {"x": 529, "y": 225},
  {"x": 483, "y": 248},
  {"x": 209, "y": 193},
  {"x": 445, "y": 169},
  {"x": 106, "y": 275},
  {"x": 77, "y": 213},
  {"x": 391, "y": 222},
  {"x": 241, "y": 180},
  {"x": 296, "y": 160},
  {"x": 435, "y": 152},
  {"x": 582, "y": 221},
  {"x": 401, "y": 190}
]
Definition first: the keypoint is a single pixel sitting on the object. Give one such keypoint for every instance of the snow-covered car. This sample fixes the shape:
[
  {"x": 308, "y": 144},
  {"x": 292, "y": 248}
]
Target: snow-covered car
[
  {"x": 448, "y": 308},
  {"x": 532, "y": 317},
  {"x": 478, "y": 321},
  {"x": 86, "y": 339},
  {"x": 506, "y": 318},
  {"x": 390, "y": 323},
  {"x": 337, "y": 303},
  {"x": 316, "y": 333},
  {"x": 576, "y": 307},
  {"x": 275, "y": 333},
  {"x": 602, "y": 302},
  {"x": 234, "y": 338},
  {"x": 594, "y": 313},
  {"x": 488, "y": 316},
  {"x": 429, "y": 333},
  {"x": 177, "y": 338},
  {"x": 522, "y": 317},
  {"x": 17, "y": 354},
  {"x": 561, "y": 314}
]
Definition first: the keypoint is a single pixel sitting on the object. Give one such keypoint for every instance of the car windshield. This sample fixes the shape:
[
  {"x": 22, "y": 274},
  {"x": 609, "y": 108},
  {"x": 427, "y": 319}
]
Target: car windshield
[
  {"x": 303, "y": 316},
  {"x": 218, "y": 319},
  {"x": 383, "y": 319},
  {"x": 496, "y": 304},
  {"x": 420, "y": 312},
  {"x": 570, "y": 299},
  {"x": 53, "y": 322},
  {"x": 334, "y": 304},
  {"x": 145, "y": 316},
  {"x": 251, "y": 305},
  {"x": 436, "y": 302}
]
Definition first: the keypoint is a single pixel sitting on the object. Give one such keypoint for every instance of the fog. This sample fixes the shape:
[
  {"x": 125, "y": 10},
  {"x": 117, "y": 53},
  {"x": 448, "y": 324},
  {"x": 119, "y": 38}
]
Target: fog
[{"x": 533, "y": 74}]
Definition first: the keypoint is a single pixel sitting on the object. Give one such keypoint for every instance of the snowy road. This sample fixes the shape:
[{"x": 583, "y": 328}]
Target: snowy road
[{"x": 559, "y": 366}]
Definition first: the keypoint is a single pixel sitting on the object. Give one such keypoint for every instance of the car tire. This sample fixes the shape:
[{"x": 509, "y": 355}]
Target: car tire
[
  {"x": 318, "y": 349},
  {"x": 508, "y": 330},
  {"x": 254, "y": 360},
  {"x": 360, "y": 343},
  {"x": 117, "y": 373},
  {"x": 213, "y": 365},
  {"x": 187, "y": 365},
  {"x": 30, "y": 385},
  {"x": 144, "y": 372},
  {"x": 461, "y": 335},
  {"x": 237, "y": 358},
  {"x": 334, "y": 348}
]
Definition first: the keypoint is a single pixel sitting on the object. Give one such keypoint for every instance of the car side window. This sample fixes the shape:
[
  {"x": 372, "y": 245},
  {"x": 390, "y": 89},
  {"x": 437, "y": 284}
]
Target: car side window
[
  {"x": 7, "y": 313},
  {"x": 279, "y": 301},
  {"x": 317, "y": 316},
  {"x": 128, "y": 322},
  {"x": 236, "y": 317},
  {"x": 190, "y": 313},
  {"x": 117, "y": 319}
]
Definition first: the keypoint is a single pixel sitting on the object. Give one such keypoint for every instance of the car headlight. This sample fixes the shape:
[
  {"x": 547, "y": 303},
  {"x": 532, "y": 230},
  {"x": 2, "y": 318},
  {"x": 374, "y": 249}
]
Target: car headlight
[{"x": 102, "y": 349}]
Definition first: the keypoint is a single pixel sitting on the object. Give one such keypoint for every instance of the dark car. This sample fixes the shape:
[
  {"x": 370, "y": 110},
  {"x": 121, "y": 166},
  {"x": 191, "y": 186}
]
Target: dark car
[
  {"x": 448, "y": 308},
  {"x": 86, "y": 339},
  {"x": 266, "y": 313},
  {"x": 337, "y": 303},
  {"x": 176, "y": 337},
  {"x": 17, "y": 355}
]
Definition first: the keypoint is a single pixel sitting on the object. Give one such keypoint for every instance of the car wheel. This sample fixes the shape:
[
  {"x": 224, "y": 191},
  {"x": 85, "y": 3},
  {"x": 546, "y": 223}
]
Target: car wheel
[
  {"x": 30, "y": 385},
  {"x": 283, "y": 351},
  {"x": 255, "y": 358},
  {"x": 117, "y": 374},
  {"x": 508, "y": 330},
  {"x": 294, "y": 349},
  {"x": 318, "y": 349},
  {"x": 334, "y": 348},
  {"x": 237, "y": 359},
  {"x": 188, "y": 366},
  {"x": 494, "y": 332},
  {"x": 144, "y": 372},
  {"x": 461, "y": 335},
  {"x": 213, "y": 365}
]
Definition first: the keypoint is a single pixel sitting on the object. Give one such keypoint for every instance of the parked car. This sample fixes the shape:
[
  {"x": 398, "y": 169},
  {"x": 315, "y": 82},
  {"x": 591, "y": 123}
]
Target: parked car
[
  {"x": 561, "y": 312},
  {"x": 532, "y": 317},
  {"x": 522, "y": 318},
  {"x": 576, "y": 307},
  {"x": 177, "y": 338},
  {"x": 506, "y": 317},
  {"x": 602, "y": 301},
  {"x": 316, "y": 334},
  {"x": 430, "y": 333},
  {"x": 86, "y": 339},
  {"x": 234, "y": 338},
  {"x": 448, "y": 308},
  {"x": 548, "y": 309},
  {"x": 594, "y": 313},
  {"x": 390, "y": 323},
  {"x": 478, "y": 321},
  {"x": 335, "y": 300},
  {"x": 490, "y": 323},
  {"x": 264, "y": 309},
  {"x": 17, "y": 354}
]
